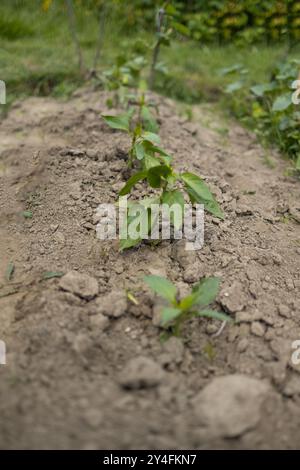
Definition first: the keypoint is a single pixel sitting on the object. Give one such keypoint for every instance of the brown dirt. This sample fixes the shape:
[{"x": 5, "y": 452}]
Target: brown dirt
[{"x": 82, "y": 375}]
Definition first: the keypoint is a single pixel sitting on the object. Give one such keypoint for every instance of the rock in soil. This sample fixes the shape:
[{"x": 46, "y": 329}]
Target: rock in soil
[
  {"x": 79, "y": 284},
  {"x": 113, "y": 304},
  {"x": 141, "y": 372},
  {"x": 230, "y": 405}
]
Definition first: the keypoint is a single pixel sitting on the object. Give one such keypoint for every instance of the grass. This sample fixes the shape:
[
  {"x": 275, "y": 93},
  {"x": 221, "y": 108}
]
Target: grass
[{"x": 37, "y": 56}]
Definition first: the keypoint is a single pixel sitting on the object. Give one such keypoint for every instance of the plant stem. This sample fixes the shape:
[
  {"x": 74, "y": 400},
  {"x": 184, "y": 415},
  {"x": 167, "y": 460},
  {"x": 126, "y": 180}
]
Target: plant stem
[
  {"x": 102, "y": 18},
  {"x": 159, "y": 21}
]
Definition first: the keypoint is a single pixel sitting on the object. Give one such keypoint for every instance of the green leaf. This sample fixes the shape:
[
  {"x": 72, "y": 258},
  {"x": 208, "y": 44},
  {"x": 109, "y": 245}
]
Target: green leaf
[
  {"x": 206, "y": 291},
  {"x": 121, "y": 122},
  {"x": 180, "y": 28},
  {"x": 162, "y": 286},
  {"x": 9, "y": 271},
  {"x": 132, "y": 181},
  {"x": 156, "y": 173},
  {"x": 150, "y": 123},
  {"x": 150, "y": 149},
  {"x": 27, "y": 214},
  {"x": 282, "y": 102},
  {"x": 169, "y": 314},
  {"x": 126, "y": 243},
  {"x": 139, "y": 150},
  {"x": 152, "y": 137},
  {"x": 214, "y": 314},
  {"x": 203, "y": 293},
  {"x": 298, "y": 163},
  {"x": 228, "y": 70},
  {"x": 234, "y": 86},
  {"x": 52, "y": 274},
  {"x": 174, "y": 197},
  {"x": 200, "y": 193},
  {"x": 150, "y": 162},
  {"x": 166, "y": 158},
  {"x": 260, "y": 90}
]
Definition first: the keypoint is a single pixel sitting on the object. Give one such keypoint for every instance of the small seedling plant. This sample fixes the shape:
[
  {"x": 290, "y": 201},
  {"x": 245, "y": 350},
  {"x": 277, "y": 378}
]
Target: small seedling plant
[
  {"x": 141, "y": 126},
  {"x": 171, "y": 187},
  {"x": 196, "y": 304},
  {"x": 156, "y": 169},
  {"x": 122, "y": 77},
  {"x": 153, "y": 163}
]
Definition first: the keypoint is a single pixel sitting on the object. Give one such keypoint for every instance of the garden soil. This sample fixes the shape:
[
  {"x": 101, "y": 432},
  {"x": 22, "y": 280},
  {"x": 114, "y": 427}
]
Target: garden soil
[{"x": 85, "y": 365}]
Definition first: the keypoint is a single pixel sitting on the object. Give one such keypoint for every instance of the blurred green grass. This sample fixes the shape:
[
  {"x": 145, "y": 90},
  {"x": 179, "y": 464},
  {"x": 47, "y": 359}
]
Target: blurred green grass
[{"x": 37, "y": 55}]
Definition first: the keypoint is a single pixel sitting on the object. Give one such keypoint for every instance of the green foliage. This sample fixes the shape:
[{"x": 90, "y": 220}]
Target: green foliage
[
  {"x": 13, "y": 28},
  {"x": 154, "y": 166},
  {"x": 245, "y": 21},
  {"x": 199, "y": 192},
  {"x": 193, "y": 305},
  {"x": 267, "y": 108}
]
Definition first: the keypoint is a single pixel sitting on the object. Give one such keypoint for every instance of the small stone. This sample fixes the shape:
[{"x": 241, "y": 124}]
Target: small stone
[
  {"x": 284, "y": 311},
  {"x": 248, "y": 317},
  {"x": 292, "y": 387},
  {"x": 244, "y": 210},
  {"x": 93, "y": 418},
  {"x": 242, "y": 345},
  {"x": 193, "y": 273},
  {"x": 181, "y": 255},
  {"x": 277, "y": 259},
  {"x": 289, "y": 284},
  {"x": 79, "y": 284},
  {"x": 99, "y": 322},
  {"x": 234, "y": 299},
  {"x": 258, "y": 329},
  {"x": 175, "y": 348},
  {"x": 141, "y": 372},
  {"x": 211, "y": 328},
  {"x": 113, "y": 304},
  {"x": 230, "y": 405}
]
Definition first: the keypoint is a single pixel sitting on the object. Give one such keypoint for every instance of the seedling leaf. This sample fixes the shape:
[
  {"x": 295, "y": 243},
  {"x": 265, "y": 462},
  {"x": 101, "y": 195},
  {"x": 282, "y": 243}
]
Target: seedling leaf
[
  {"x": 150, "y": 123},
  {"x": 27, "y": 214},
  {"x": 152, "y": 137},
  {"x": 162, "y": 286},
  {"x": 121, "y": 122},
  {"x": 174, "y": 197},
  {"x": 132, "y": 182},
  {"x": 9, "y": 271},
  {"x": 214, "y": 314},
  {"x": 52, "y": 274},
  {"x": 169, "y": 314},
  {"x": 206, "y": 291},
  {"x": 200, "y": 193},
  {"x": 156, "y": 173}
]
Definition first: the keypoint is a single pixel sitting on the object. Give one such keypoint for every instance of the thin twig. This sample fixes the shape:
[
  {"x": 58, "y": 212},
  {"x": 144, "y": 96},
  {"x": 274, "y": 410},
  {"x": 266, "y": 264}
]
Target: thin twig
[{"x": 215, "y": 335}]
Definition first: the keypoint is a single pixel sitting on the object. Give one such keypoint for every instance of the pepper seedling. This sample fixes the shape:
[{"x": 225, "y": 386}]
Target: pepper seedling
[
  {"x": 163, "y": 176},
  {"x": 196, "y": 304},
  {"x": 143, "y": 133}
]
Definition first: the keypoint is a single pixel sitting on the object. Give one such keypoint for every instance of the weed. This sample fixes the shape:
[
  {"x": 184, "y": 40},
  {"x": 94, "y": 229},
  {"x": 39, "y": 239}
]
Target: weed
[
  {"x": 9, "y": 271},
  {"x": 268, "y": 109},
  {"x": 177, "y": 311}
]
